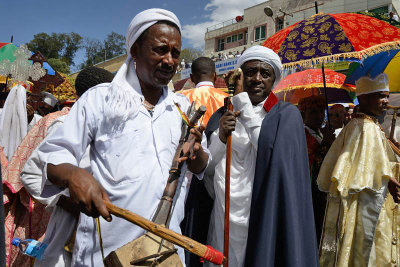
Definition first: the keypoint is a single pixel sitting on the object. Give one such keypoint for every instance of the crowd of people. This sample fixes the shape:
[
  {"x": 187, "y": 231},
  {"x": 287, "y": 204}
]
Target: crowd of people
[{"x": 304, "y": 191}]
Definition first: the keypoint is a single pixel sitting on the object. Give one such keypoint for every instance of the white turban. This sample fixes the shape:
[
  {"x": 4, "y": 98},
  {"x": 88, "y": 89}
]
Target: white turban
[
  {"x": 145, "y": 20},
  {"x": 366, "y": 85},
  {"x": 49, "y": 99},
  {"x": 263, "y": 54},
  {"x": 125, "y": 96}
]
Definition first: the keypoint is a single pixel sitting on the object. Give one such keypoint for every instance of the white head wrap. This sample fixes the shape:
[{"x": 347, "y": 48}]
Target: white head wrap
[
  {"x": 366, "y": 85},
  {"x": 263, "y": 54},
  {"x": 49, "y": 99},
  {"x": 125, "y": 96}
]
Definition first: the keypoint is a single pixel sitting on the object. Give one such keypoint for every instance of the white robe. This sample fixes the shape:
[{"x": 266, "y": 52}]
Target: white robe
[
  {"x": 130, "y": 159},
  {"x": 243, "y": 161}
]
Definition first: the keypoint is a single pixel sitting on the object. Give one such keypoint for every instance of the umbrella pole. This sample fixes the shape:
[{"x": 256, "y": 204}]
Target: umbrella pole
[{"x": 326, "y": 96}]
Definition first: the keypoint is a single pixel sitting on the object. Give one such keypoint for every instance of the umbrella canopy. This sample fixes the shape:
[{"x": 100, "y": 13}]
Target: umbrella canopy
[
  {"x": 7, "y": 51},
  {"x": 309, "y": 82},
  {"x": 312, "y": 78},
  {"x": 385, "y": 62},
  {"x": 329, "y": 37}
]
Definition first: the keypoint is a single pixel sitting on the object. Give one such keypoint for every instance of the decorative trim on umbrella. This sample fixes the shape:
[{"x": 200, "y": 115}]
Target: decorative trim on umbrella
[
  {"x": 356, "y": 56},
  {"x": 347, "y": 87},
  {"x": 325, "y": 38}
]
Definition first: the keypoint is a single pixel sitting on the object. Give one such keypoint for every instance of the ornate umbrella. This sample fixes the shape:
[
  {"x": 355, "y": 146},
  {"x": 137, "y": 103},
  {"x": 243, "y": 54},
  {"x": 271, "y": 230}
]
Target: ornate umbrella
[
  {"x": 385, "y": 62},
  {"x": 309, "y": 82},
  {"x": 329, "y": 37}
]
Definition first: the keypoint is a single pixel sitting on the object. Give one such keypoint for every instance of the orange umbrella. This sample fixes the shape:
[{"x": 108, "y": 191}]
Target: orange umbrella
[{"x": 309, "y": 82}]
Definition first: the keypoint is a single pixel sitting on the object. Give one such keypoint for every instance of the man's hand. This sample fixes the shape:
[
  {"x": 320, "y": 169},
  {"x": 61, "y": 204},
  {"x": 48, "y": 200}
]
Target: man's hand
[
  {"x": 84, "y": 190},
  {"x": 394, "y": 187},
  {"x": 227, "y": 124},
  {"x": 193, "y": 145},
  {"x": 193, "y": 150},
  {"x": 238, "y": 80}
]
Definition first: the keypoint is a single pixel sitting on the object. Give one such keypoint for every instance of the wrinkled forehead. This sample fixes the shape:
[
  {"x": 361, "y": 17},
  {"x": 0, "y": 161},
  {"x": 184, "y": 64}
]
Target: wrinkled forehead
[{"x": 162, "y": 27}]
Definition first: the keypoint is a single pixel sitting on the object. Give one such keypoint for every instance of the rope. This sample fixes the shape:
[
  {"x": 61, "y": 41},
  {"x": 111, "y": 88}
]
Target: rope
[{"x": 100, "y": 238}]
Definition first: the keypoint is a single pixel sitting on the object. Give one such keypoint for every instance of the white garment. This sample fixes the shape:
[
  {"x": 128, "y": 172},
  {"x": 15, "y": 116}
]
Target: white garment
[
  {"x": 35, "y": 119},
  {"x": 61, "y": 223},
  {"x": 131, "y": 160},
  {"x": 14, "y": 121},
  {"x": 205, "y": 83},
  {"x": 243, "y": 161},
  {"x": 337, "y": 131}
]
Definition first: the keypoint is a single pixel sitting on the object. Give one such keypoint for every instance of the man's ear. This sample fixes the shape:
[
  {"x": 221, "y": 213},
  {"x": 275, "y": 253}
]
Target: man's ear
[
  {"x": 192, "y": 78},
  {"x": 133, "y": 50},
  {"x": 214, "y": 77}
]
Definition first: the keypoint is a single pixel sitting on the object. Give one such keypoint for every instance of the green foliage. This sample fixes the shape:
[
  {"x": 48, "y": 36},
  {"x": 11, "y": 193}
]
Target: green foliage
[
  {"x": 59, "y": 65},
  {"x": 190, "y": 54},
  {"x": 61, "y": 46},
  {"x": 97, "y": 51}
]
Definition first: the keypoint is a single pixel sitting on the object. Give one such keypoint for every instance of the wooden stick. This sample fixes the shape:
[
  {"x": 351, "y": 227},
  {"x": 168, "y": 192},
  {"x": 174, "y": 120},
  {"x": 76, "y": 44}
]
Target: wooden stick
[
  {"x": 227, "y": 189},
  {"x": 159, "y": 230},
  {"x": 392, "y": 128}
]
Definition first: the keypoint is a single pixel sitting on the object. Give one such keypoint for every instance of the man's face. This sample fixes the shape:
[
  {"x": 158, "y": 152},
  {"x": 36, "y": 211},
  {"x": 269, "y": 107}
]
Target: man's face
[
  {"x": 337, "y": 117},
  {"x": 314, "y": 117},
  {"x": 46, "y": 108},
  {"x": 259, "y": 78},
  {"x": 374, "y": 104},
  {"x": 157, "y": 55},
  {"x": 348, "y": 115}
]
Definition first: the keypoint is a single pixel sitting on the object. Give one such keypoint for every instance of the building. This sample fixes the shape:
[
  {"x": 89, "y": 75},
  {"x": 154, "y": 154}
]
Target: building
[{"x": 254, "y": 26}]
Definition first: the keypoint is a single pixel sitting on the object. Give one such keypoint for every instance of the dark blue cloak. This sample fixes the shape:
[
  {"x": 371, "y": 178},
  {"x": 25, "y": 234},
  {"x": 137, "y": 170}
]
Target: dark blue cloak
[{"x": 281, "y": 227}]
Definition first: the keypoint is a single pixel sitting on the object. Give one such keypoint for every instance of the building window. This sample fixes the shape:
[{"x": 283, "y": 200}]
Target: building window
[
  {"x": 234, "y": 38},
  {"x": 278, "y": 24},
  {"x": 259, "y": 33},
  {"x": 228, "y": 39},
  {"x": 221, "y": 44},
  {"x": 240, "y": 36}
]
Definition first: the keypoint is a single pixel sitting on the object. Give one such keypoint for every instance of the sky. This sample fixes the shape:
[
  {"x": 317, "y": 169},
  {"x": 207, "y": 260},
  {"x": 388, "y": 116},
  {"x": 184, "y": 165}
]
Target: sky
[{"x": 97, "y": 18}]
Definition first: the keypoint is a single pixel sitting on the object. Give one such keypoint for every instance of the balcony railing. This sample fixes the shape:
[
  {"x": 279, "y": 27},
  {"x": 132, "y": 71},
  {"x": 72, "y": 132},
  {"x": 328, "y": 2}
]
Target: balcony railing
[{"x": 221, "y": 25}]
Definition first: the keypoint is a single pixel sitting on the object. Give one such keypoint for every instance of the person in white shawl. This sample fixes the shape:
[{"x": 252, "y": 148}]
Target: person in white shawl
[
  {"x": 13, "y": 121},
  {"x": 133, "y": 128}
]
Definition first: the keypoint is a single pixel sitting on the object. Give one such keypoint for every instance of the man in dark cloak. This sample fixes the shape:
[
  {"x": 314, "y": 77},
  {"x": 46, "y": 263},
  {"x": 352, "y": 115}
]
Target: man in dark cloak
[{"x": 271, "y": 215}]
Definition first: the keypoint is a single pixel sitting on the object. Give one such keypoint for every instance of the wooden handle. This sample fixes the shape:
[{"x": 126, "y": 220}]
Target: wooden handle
[{"x": 159, "y": 230}]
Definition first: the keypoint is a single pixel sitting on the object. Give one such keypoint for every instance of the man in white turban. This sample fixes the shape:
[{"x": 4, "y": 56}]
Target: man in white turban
[
  {"x": 133, "y": 127},
  {"x": 271, "y": 216},
  {"x": 359, "y": 174}
]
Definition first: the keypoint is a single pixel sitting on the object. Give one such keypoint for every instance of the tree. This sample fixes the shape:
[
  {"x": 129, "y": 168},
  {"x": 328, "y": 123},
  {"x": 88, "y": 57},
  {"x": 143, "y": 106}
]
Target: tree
[
  {"x": 93, "y": 51},
  {"x": 59, "y": 65},
  {"x": 114, "y": 45},
  {"x": 57, "y": 45},
  {"x": 97, "y": 51},
  {"x": 190, "y": 54}
]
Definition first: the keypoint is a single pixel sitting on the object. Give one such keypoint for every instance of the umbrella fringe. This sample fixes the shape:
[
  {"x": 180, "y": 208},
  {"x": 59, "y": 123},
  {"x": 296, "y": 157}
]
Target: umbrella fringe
[
  {"x": 318, "y": 85},
  {"x": 358, "y": 55}
]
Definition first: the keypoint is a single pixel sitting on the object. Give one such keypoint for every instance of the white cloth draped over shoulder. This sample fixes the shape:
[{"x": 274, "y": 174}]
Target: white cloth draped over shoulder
[
  {"x": 130, "y": 151},
  {"x": 14, "y": 121},
  {"x": 243, "y": 161}
]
